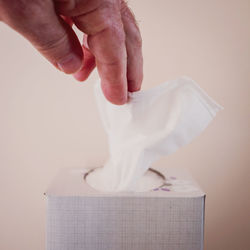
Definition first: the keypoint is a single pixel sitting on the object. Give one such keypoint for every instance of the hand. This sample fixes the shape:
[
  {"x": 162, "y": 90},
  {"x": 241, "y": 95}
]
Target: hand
[{"x": 112, "y": 39}]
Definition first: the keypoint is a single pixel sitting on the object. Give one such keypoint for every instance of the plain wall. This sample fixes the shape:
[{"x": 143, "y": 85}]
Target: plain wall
[{"x": 49, "y": 121}]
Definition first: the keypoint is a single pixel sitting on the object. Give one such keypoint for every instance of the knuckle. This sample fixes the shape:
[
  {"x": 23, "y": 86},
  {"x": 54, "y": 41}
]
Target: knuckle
[
  {"x": 55, "y": 48},
  {"x": 51, "y": 44},
  {"x": 131, "y": 26},
  {"x": 117, "y": 32},
  {"x": 136, "y": 40},
  {"x": 103, "y": 16}
]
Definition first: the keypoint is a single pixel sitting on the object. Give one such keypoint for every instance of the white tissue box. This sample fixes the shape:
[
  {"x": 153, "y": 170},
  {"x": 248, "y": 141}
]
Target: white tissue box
[{"x": 80, "y": 218}]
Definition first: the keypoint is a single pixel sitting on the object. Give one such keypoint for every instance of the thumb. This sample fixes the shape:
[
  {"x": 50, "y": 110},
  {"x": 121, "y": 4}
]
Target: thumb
[{"x": 49, "y": 34}]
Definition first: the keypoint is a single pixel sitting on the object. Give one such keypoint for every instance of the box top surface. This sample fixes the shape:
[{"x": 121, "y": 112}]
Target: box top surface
[{"x": 70, "y": 182}]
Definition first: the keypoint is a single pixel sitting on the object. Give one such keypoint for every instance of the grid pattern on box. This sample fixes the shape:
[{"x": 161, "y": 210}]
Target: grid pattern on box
[{"x": 124, "y": 223}]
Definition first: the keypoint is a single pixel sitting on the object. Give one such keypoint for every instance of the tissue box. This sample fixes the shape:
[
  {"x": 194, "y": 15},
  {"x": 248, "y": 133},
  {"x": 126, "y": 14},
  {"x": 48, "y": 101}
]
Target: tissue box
[{"x": 166, "y": 218}]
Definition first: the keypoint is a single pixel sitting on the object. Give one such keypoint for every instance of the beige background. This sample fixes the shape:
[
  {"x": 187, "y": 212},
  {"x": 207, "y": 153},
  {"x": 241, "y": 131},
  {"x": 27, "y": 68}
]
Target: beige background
[{"x": 49, "y": 121}]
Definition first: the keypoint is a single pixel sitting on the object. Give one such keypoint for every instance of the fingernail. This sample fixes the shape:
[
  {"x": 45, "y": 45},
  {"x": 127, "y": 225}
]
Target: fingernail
[
  {"x": 70, "y": 64},
  {"x": 119, "y": 100}
]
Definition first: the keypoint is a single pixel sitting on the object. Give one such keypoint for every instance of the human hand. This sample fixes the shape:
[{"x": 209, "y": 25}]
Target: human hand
[{"x": 112, "y": 39}]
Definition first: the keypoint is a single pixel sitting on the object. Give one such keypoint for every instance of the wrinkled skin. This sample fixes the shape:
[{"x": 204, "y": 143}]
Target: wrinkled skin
[{"x": 112, "y": 40}]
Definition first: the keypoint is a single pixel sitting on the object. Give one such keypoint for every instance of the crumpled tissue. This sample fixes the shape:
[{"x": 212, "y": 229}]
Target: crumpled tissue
[{"x": 154, "y": 123}]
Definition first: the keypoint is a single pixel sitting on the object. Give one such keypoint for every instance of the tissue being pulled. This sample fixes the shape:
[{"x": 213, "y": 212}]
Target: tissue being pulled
[{"x": 153, "y": 123}]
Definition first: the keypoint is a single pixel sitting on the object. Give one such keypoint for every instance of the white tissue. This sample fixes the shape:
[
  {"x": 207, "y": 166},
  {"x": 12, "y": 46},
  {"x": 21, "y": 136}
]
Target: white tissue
[{"x": 153, "y": 123}]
